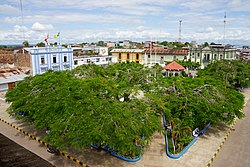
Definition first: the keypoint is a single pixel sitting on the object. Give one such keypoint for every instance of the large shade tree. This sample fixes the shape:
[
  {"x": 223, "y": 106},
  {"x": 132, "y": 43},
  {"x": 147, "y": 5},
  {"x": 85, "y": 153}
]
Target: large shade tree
[
  {"x": 90, "y": 105},
  {"x": 102, "y": 105}
]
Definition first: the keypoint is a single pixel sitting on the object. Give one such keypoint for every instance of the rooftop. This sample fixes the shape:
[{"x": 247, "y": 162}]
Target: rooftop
[{"x": 174, "y": 66}]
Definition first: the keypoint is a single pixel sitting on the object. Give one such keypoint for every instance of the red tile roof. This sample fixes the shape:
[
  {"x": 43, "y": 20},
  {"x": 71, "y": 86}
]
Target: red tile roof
[
  {"x": 166, "y": 51},
  {"x": 174, "y": 66}
]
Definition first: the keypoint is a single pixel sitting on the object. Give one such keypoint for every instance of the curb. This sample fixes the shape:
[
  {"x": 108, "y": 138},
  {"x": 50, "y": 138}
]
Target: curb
[
  {"x": 222, "y": 143},
  {"x": 44, "y": 143}
]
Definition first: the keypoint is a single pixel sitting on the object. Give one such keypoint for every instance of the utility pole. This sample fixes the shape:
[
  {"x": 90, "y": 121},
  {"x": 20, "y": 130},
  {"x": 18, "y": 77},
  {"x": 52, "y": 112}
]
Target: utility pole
[{"x": 180, "y": 30}]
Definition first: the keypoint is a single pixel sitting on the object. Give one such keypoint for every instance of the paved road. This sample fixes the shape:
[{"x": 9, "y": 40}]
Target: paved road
[
  {"x": 12, "y": 154},
  {"x": 236, "y": 151}
]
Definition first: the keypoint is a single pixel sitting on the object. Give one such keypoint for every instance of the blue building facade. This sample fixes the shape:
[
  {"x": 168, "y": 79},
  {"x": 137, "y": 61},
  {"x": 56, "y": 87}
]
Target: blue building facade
[{"x": 46, "y": 58}]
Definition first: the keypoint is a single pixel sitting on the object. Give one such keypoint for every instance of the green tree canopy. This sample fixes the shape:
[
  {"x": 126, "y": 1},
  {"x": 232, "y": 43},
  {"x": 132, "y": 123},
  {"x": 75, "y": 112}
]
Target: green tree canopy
[
  {"x": 84, "y": 106},
  {"x": 117, "y": 104},
  {"x": 234, "y": 73},
  {"x": 40, "y": 44},
  {"x": 26, "y": 43}
]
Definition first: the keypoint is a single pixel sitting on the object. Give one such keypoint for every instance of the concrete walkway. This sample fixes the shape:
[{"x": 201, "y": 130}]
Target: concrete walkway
[{"x": 154, "y": 156}]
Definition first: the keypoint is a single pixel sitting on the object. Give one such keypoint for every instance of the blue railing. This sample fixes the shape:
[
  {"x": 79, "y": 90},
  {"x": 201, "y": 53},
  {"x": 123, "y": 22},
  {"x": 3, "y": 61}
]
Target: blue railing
[
  {"x": 187, "y": 147},
  {"x": 113, "y": 153}
]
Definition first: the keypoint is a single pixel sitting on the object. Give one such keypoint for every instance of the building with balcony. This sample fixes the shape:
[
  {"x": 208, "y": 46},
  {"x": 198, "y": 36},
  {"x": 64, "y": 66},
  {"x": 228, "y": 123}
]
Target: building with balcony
[{"x": 208, "y": 54}]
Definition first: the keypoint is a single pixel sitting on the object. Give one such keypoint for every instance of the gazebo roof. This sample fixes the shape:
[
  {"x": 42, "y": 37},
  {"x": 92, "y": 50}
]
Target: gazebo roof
[{"x": 174, "y": 66}]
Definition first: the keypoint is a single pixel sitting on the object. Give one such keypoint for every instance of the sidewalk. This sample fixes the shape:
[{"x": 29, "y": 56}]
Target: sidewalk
[{"x": 154, "y": 156}]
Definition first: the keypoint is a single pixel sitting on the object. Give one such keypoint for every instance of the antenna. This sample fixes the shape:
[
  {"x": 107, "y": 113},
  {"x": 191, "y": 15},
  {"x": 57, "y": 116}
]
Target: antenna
[
  {"x": 21, "y": 6},
  {"x": 224, "y": 35},
  {"x": 180, "y": 30}
]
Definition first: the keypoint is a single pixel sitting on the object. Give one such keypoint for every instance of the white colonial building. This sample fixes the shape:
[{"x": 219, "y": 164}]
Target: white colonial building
[
  {"x": 208, "y": 54},
  {"x": 50, "y": 58}
]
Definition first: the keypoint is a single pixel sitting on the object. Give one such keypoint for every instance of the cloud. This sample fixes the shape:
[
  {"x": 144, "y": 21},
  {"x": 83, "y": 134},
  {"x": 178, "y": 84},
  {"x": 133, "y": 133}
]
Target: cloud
[
  {"x": 41, "y": 27},
  {"x": 8, "y": 9},
  {"x": 207, "y": 30},
  {"x": 18, "y": 28}
]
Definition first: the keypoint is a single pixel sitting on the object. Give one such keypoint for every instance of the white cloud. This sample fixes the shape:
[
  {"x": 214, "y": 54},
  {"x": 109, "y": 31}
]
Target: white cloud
[
  {"x": 131, "y": 19},
  {"x": 207, "y": 30},
  {"x": 18, "y": 28},
  {"x": 42, "y": 27},
  {"x": 8, "y": 9}
]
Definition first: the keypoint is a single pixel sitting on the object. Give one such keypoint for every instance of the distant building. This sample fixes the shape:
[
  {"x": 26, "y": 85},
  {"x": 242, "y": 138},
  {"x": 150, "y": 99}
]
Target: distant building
[
  {"x": 149, "y": 56},
  {"x": 110, "y": 44},
  {"x": 7, "y": 58},
  {"x": 208, "y": 54},
  {"x": 124, "y": 44},
  {"x": 49, "y": 57},
  {"x": 244, "y": 52},
  {"x": 158, "y": 55},
  {"x": 128, "y": 55},
  {"x": 9, "y": 77},
  {"x": 94, "y": 59}
]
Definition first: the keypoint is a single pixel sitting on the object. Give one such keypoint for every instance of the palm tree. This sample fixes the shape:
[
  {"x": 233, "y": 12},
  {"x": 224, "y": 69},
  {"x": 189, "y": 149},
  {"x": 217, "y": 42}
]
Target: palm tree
[{"x": 179, "y": 133}]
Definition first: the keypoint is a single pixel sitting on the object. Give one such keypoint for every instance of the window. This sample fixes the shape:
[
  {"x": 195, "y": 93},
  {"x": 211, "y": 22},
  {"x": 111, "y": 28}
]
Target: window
[
  {"x": 97, "y": 59},
  {"x": 127, "y": 55},
  {"x": 198, "y": 55},
  {"x": 65, "y": 59},
  {"x": 215, "y": 56},
  {"x": 43, "y": 70},
  {"x": 75, "y": 62},
  {"x": 54, "y": 59},
  {"x": 42, "y": 60},
  {"x": 137, "y": 61},
  {"x": 120, "y": 56},
  {"x": 137, "y": 56},
  {"x": 149, "y": 56}
]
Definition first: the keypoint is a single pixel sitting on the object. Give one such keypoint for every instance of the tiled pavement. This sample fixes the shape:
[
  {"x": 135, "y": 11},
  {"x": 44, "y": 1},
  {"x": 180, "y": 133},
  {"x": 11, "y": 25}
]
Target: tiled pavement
[{"x": 154, "y": 156}]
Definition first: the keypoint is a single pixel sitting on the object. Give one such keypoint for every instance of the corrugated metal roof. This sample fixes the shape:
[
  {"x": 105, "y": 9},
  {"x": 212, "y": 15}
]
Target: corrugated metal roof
[{"x": 12, "y": 78}]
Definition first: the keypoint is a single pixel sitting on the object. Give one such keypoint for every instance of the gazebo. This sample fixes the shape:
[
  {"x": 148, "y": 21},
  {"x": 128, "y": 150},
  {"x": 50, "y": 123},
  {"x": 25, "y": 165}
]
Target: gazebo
[{"x": 173, "y": 69}]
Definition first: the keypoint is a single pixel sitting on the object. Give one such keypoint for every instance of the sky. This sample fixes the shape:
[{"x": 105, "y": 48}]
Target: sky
[{"x": 114, "y": 20}]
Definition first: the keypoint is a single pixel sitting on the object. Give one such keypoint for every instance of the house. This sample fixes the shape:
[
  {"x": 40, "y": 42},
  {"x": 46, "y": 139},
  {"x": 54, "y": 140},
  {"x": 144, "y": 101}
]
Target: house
[
  {"x": 207, "y": 54},
  {"x": 10, "y": 76},
  {"x": 42, "y": 59}
]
